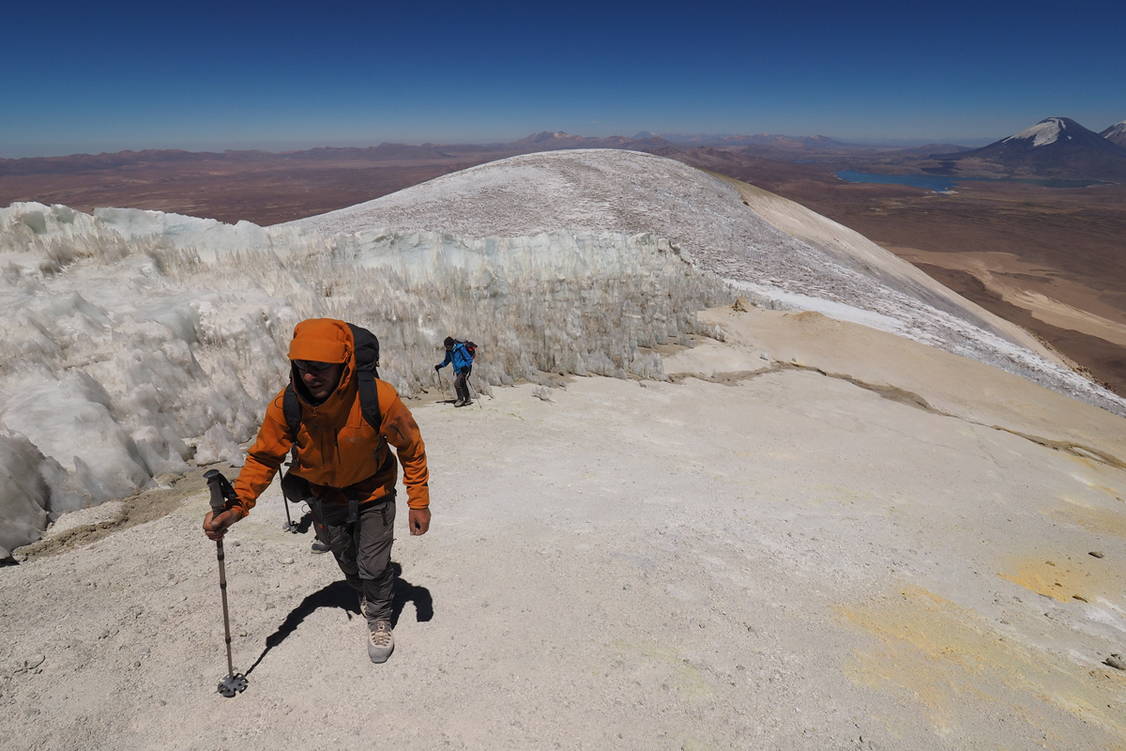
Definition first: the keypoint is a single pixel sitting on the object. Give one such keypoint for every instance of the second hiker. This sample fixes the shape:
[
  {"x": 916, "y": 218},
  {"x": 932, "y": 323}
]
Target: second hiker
[{"x": 461, "y": 354}]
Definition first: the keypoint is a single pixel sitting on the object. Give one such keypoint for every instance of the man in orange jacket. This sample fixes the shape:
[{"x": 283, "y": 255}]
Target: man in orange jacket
[{"x": 343, "y": 467}]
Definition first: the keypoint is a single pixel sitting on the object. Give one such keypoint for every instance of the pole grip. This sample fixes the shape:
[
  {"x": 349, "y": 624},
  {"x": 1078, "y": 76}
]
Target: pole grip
[{"x": 222, "y": 493}]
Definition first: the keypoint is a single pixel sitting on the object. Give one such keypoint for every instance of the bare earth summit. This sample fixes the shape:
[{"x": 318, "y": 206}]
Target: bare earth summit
[{"x": 729, "y": 560}]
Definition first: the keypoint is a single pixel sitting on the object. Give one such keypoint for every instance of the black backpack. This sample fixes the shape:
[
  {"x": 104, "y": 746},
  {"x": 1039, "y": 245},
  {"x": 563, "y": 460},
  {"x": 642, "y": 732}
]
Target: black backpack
[
  {"x": 367, "y": 362},
  {"x": 471, "y": 348}
]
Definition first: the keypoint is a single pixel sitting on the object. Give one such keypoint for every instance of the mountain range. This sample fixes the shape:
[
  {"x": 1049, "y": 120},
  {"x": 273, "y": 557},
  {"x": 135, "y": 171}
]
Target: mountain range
[{"x": 1053, "y": 147}]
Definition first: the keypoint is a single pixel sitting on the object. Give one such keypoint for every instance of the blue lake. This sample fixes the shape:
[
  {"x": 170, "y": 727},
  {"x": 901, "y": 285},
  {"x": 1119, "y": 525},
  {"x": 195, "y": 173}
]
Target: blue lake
[
  {"x": 929, "y": 182},
  {"x": 942, "y": 182}
]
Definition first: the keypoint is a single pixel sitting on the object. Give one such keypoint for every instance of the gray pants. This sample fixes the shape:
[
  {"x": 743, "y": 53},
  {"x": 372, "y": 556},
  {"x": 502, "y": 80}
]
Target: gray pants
[
  {"x": 461, "y": 384},
  {"x": 360, "y": 537}
]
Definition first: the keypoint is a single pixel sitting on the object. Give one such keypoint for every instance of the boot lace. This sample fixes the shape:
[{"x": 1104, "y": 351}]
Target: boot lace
[{"x": 381, "y": 634}]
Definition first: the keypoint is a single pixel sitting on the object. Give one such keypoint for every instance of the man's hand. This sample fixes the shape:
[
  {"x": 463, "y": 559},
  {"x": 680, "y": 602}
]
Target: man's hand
[
  {"x": 437, "y": 368},
  {"x": 215, "y": 525},
  {"x": 418, "y": 519}
]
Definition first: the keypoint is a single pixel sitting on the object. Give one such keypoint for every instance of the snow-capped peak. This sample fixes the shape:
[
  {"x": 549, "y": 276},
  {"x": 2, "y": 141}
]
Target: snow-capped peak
[
  {"x": 1116, "y": 133},
  {"x": 1042, "y": 133}
]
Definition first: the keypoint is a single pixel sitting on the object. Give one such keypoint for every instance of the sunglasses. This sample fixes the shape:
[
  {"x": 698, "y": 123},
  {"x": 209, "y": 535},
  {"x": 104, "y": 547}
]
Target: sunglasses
[{"x": 312, "y": 366}]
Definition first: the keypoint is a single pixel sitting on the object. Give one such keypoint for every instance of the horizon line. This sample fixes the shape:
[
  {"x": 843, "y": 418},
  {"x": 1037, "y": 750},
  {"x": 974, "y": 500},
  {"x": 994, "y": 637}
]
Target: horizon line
[{"x": 295, "y": 145}]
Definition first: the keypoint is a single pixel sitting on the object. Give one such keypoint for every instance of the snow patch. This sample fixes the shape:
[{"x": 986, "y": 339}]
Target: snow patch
[
  {"x": 1042, "y": 133},
  {"x": 1116, "y": 133},
  {"x": 779, "y": 299}
]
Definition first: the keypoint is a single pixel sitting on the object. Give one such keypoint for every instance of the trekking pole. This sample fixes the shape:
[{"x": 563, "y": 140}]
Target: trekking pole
[
  {"x": 290, "y": 525},
  {"x": 453, "y": 389},
  {"x": 221, "y": 493},
  {"x": 475, "y": 393}
]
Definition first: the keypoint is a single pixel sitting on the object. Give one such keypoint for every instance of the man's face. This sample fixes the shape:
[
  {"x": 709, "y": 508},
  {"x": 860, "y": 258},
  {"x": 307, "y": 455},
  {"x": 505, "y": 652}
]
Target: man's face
[{"x": 319, "y": 377}]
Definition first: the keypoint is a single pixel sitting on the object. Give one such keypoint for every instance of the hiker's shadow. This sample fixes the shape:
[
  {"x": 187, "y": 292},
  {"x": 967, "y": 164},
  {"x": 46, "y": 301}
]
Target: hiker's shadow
[
  {"x": 340, "y": 595},
  {"x": 403, "y": 592}
]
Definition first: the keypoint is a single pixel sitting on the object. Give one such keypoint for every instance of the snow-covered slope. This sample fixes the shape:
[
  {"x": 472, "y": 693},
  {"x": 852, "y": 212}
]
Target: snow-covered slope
[
  {"x": 1048, "y": 130},
  {"x": 806, "y": 262}
]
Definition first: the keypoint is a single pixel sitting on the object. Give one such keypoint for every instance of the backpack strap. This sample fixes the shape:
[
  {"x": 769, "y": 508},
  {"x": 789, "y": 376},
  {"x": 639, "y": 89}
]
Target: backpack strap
[
  {"x": 292, "y": 409},
  {"x": 367, "y": 360}
]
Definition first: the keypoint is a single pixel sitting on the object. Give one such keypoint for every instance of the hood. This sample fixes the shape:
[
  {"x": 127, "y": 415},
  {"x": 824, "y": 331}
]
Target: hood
[{"x": 324, "y": 340}]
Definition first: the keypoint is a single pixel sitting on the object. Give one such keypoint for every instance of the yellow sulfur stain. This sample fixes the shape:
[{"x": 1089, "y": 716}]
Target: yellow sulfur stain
[
  {"x": 962, "y": 671},
  {"x": 1061, "y": 578}
]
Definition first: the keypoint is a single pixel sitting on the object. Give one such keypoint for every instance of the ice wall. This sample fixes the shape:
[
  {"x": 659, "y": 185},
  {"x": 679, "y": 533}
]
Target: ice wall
[{"x": 138, "y": 343}]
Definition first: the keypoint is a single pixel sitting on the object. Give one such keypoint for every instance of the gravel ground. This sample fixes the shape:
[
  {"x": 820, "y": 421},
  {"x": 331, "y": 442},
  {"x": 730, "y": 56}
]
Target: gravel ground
[{"x": 768, "y": 558}]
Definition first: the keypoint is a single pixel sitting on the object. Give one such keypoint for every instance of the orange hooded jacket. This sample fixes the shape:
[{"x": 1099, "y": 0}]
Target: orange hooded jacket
[{"x": 338, "y": 452}]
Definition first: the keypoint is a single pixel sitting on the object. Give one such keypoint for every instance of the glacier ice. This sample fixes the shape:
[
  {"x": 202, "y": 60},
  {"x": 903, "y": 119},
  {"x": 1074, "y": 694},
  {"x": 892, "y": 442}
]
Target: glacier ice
[{"x": 136, "y": 346}]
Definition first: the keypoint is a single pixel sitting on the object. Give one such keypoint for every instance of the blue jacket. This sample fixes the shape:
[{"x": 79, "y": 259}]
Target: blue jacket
[{"x": 460, "y": 357}]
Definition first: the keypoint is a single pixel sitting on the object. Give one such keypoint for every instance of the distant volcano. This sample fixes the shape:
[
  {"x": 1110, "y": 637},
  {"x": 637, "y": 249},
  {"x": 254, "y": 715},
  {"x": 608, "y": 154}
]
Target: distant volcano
[
  {"x": 1116, "y": 134},
  {"x": 1055, "y": 147}
]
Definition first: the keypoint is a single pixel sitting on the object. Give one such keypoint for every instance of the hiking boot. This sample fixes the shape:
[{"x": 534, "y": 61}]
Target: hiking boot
[
  {"x": 465, "y": 403},
  {"x": 381, "y": 642},
  {"x": 319, "y": 547}
]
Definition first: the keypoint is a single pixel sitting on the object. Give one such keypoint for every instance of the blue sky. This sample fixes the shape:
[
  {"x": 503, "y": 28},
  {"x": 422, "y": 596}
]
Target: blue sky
[{"x": 103, "y": 77}]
